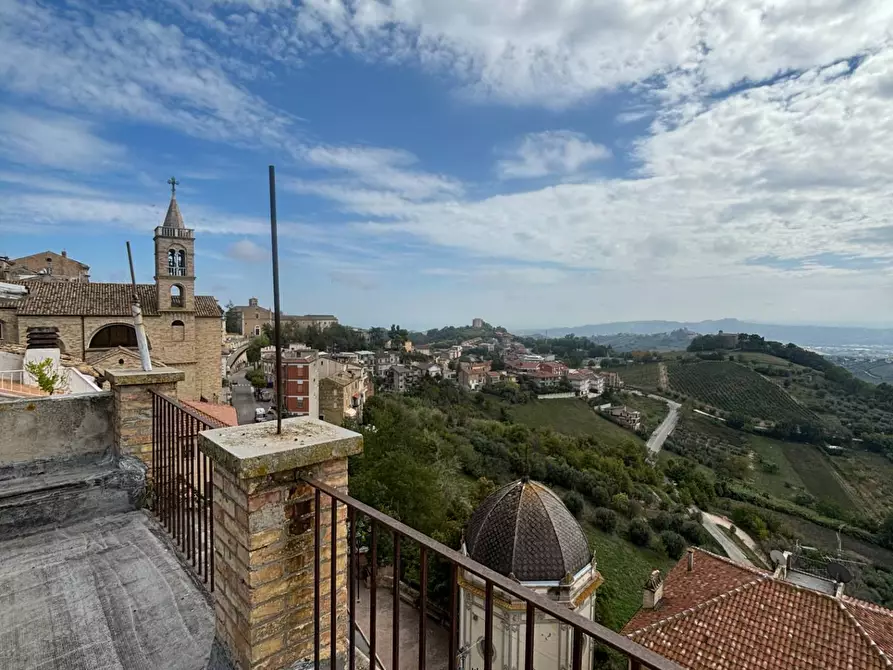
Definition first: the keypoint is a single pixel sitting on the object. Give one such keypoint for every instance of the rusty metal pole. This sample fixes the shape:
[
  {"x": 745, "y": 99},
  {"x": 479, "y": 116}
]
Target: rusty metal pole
[{"x": 277, "y": 319}]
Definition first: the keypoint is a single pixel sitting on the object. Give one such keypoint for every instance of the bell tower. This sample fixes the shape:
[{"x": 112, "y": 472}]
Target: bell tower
[{"x": 174, "y": 260}]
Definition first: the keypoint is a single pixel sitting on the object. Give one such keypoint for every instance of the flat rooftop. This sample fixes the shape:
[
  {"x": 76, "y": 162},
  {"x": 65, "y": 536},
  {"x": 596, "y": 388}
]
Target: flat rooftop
[{"x": 105, "y": 594}]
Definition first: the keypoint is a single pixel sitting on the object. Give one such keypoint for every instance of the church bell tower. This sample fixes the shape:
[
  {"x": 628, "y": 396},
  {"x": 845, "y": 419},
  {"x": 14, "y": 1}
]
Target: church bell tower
[{"x": 175, "y": 260}]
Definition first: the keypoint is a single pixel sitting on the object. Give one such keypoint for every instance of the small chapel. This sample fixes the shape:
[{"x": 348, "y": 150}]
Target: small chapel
[{"x": 95, "y": 324}]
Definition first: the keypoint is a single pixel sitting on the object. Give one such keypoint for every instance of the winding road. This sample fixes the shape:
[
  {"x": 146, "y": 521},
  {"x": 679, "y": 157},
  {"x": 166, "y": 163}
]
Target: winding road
[{"x": 662, "y": 432}]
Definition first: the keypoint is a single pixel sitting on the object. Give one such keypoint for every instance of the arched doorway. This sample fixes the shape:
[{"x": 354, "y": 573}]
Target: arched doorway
[{"x": 115, "y": 335}]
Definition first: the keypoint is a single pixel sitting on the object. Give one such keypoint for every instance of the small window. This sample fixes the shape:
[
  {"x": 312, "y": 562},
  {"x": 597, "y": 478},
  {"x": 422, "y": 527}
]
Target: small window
[{"x": 179, "y": 331}]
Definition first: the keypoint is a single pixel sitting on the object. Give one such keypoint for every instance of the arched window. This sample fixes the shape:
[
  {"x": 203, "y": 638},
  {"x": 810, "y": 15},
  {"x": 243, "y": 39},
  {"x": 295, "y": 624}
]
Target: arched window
[
  {"x": 176, "y": 295},
  {"x": 179, "y": 330},
  {"x": 118, "y": 335},
  {"x": 176, "y": 262}
]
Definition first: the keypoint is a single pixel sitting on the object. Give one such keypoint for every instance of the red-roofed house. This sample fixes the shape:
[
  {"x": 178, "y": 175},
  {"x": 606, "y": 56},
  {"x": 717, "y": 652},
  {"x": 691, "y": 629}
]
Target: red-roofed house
[{"x": 713, "y": 614}]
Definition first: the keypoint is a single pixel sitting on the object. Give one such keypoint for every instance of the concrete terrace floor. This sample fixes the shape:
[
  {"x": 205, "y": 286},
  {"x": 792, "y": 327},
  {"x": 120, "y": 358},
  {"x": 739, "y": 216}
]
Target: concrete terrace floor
[{"x": 106, "y": 594}]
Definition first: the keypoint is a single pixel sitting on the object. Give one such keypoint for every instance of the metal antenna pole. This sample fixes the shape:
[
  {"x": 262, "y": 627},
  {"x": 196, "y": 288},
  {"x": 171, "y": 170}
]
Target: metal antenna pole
[
  {"x": 277, "y": 319},
  {"x": 141, "y": 342}
]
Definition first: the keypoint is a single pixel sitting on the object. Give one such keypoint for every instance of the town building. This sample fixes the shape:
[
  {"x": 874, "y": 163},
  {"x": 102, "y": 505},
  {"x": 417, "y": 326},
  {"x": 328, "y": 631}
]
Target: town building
[
  {"x": 47, "y": 266},
  {"x": 253, "y": 318},
  {"x": 399, "y": 377},
  {"x": 524, "y": 531},
  {"x": 626, "y": 417},
  {"x": 711, "y": 612},
  {"x": 474, "y": 375},
  {"x": 477, "y": 322},
  {"x": 342, "y": 396},
  {"x": 383, "y": 361},
  {"x": 613, "y": 382},
  {"x": 586, "y": 383},
  {"x": 94, "y": 319},
  {"x": 300, "y": 394}
]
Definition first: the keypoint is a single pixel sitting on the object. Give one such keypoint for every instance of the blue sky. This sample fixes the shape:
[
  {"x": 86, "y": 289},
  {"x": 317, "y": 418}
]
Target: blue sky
[{"x": 537, "y": 163}]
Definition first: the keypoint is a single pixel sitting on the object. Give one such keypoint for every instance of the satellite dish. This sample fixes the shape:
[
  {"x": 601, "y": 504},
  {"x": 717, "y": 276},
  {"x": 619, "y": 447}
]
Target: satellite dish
[
  {"x": 839, "y": 573},
  {"x": 777, "y": 557}
]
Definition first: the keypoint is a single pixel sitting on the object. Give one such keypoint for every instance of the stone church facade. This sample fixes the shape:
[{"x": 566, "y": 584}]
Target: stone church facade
[{"x": 94, "y": 319}]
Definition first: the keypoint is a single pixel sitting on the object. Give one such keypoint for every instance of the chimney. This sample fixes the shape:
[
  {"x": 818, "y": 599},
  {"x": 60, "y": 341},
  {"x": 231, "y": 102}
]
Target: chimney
[
  {"x": 691, "y": 559},
  {"x": 654, "y": 591}
]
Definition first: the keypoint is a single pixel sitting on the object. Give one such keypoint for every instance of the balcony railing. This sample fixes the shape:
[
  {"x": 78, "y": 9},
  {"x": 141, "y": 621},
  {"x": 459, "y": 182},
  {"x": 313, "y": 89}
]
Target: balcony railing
[
  {"x": 182, "y": 233},
  {"x": 584, "y": 630},
  {"x": 182, "y": 483},
  {"x": 175, "y": 271},
  {"x": 176, "y": 301}
]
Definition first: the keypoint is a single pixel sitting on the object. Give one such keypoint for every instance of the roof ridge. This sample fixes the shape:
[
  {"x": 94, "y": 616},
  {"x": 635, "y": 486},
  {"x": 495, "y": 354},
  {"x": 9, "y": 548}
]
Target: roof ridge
[
  {"x": 863, "y": 633},
  {"x": 551, "y": 521},
  {"x": 691, "y": 610},
  {"x": 874, "y": 607},
  {"x": 725, "y": 559},
  {"x": 495, "y": 504}
]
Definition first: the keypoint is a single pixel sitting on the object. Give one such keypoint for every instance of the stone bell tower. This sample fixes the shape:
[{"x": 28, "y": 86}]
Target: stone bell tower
[{"x": 175, "y": 260}]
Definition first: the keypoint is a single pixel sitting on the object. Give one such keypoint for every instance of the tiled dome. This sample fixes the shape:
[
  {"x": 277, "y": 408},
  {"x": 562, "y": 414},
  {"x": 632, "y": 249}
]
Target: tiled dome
[{"x": 524, "y": 529}]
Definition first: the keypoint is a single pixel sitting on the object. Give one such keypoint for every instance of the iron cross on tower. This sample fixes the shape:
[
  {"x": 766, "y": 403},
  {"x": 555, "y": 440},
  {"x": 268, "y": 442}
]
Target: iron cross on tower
[{"x": 174, "y": 184}]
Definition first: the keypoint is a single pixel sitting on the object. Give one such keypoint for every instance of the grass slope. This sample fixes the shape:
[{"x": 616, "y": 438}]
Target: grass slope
[
  {"x": 642, "y": 375},
  {"x": 816, "y": 473},
  {"x": 736, "y": 388},
  {"x": 571, "y": 416}
]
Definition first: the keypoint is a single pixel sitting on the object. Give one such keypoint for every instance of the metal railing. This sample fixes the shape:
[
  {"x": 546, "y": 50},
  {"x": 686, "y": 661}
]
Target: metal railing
[
  {"x": 176, "y": 301},
  {"x": 183, "y": 233},
  {"x": 584, "y": 630},
  {"x": 182, "y": 484},
  {"x": 175, "y": 271},
  {"x": 19, "y": 382}
]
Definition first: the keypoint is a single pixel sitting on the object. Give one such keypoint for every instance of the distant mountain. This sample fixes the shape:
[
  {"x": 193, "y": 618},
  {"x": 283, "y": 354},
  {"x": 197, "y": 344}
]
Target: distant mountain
[{"x": 815, "y": 336}]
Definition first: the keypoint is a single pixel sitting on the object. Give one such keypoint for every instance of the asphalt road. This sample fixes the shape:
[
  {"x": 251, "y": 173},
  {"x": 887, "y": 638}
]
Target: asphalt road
[
  {"x": 732, "y": 550},
  {"x": 243, "y": 398},
  {"x": 662, "y": 432}
]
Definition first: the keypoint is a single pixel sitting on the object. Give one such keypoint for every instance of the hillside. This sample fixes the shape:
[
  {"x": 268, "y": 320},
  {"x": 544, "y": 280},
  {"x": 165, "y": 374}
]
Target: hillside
[
  {"x": 803, "y": 335},
  {"x": 736, "y": 388}
]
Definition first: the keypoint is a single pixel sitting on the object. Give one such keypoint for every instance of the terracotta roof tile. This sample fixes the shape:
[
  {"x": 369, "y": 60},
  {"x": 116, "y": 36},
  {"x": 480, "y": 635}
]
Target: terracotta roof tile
[
  {"x": 97, "y": 299},
  {"x": 722, "y": 615},
  {"x": 217, "y": 413}
]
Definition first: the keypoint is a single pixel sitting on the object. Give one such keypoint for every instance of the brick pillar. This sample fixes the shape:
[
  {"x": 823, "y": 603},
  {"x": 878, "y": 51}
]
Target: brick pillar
[
  {"x": 264, "y": 540},
  {"x": 133, "y": 408}
]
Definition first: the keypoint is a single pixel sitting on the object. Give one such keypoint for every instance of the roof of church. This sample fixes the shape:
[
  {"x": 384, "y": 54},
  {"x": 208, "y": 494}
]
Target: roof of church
[
  {"x": 524, "y": 530},
  {"x": 96, "y": 299},
  {"x": 720, "y": 615},
  {"x": 173, "y": 219}
]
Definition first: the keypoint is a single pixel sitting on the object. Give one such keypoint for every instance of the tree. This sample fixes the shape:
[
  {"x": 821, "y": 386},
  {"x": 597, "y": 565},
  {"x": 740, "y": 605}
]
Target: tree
[
  {"x": 49, "y": 379},
  {"x": 254, "y": 347},
  {"x": 605, "y": 519},
  {"x": 574, "y": 503},
  {"x": 378, "y": 337},
  {"x": 639, "y": 532},
  {"x": 233, "y": 319},
  {"x": 674, "y": 543}
]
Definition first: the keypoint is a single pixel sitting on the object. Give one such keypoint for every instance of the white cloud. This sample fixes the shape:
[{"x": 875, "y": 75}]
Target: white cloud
[
  {"x": 553, "y": 152},
  {"x": 55, "y": 141},
  {"x": 248, "y": 251},
  {"x": 123, "y": 64}
]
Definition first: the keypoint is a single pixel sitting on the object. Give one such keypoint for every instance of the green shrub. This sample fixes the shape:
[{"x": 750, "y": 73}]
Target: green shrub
[
  {"x": 605, "y": 519},
  {"x": 639, "y": 532},
  {"x": 574, "y": 503},
  {"x": 674, "y": 543}
]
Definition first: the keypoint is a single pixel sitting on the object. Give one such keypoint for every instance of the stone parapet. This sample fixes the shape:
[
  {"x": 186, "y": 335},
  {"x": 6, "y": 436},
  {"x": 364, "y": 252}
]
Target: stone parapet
[
  {"x": 133, "y": 408},
  {"x": 264, "y": 540}
]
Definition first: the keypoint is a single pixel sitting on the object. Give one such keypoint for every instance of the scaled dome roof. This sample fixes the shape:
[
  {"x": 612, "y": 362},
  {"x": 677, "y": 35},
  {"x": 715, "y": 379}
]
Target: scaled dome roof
[{"x": 524, "y": 530}]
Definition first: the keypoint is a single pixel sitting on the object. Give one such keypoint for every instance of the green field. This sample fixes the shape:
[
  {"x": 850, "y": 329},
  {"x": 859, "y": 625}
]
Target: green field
[
  {"x": 777, "y": 483},
  {"x": 759, "y": 357},
  {"x": 625, "y": 568},
  {"x": 736, "y": 388},
  {"x": 870, "y": 477},
  {"x": 573, "y": 417},
  {"x": 816, "y": 472},
  {"x": 640, "y": 375},
  {"x": 653, "y": 411}
]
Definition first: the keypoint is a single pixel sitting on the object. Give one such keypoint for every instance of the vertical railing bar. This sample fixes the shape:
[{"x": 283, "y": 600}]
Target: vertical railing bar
[
  {"x": 154, "y": 454},
  {"x": 199, "y": 509},
  {"x": 178, "y": 491},
  {"x": 373, "y": 596},
  {"x": 454, "y": 615},
  {"x": 423, "y": 606},
  {"x": 352, "y": 588},
  {"x": 209, "y": 485},
  {"x": 488, "y": 626},
  {"x": 577, "y": 650},
  {"x": 333, "y": 589},
  {"x": 395, "y": 623},
  {"x": 316, "y": 579},
  {"x": 168, "y": 463},
  {"x": 529, "y": 627},
  {"x": 192, "y": 491}
]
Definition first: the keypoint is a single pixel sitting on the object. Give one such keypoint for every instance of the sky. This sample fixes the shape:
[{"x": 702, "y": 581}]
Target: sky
[{"x": 535, "y": 163}]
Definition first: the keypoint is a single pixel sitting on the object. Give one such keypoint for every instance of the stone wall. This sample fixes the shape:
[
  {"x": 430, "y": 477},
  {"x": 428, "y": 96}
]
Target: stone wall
[
  {"x": 56, "y": 427},
  {"x": 10, "y": 329}
]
